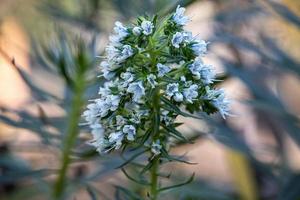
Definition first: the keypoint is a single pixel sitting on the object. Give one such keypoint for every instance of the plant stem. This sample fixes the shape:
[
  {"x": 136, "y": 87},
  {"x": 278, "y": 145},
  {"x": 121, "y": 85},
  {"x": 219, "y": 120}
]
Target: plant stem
[
  {"x": 154, "y": 178},
  {"x": 155, "y": 158},
  {"x": 70, "y": 137}
]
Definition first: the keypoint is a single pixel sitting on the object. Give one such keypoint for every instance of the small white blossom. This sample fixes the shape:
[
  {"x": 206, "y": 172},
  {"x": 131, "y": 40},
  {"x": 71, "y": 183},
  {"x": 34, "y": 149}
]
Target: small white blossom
[
  {"x": 116, "y": 139},
  {"x": 207, "y": 74},
  {"x": 120, "y": 29},
  {"x": 195, "y": 68},
  {"x": 107, "y": 74},
  {"x": 98, "y": 140},
  {"x": 191, "y": 93},
  {"x": 199, "y": 48},
  {"x": 91, "y": 113},
  {"x": 130, "y": 132},
  {"x": 172, "y": 89},
  {"x": 125, "y": 53},
  {"x": 127, "y": 77},
  {"x": 112, "y": 102},
  {"x": 179, "y": 17},
  {"x": 147, "y": 27},
  {"x": 166, "y": 118},
  {"x": 104, "y": 91},
  {"x": 151, "y": 79},
  {"x": 187, "y": 36},
  {"x": 202, "y": 71},
  {"x": 137, "y": 31},
  {"x": 137, "y": 89},
  {"x": 156, "y": 147},
  {"x": 162, "y": 69},
  {"x": 111, "y": 52},
  {"x": 183, "y": 79},
  {"x": 178, "y": 97},
  {"x": 177, "y": 39},
  {"x": 219, "y": 100}
]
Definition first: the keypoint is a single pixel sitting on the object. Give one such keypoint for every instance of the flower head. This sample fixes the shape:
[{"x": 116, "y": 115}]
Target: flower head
[
  {"x": 162, "y": 69},
  {"x": 178, "y": 17},
  {"x": 147, "y": 27},
  {"x": 199, "y": 47},
  {"x": 152, "y": 70},
  {"x": 177, "y": 39},
  {"x": 137, "y": 89},
  {"x": 130, "y": 132}
]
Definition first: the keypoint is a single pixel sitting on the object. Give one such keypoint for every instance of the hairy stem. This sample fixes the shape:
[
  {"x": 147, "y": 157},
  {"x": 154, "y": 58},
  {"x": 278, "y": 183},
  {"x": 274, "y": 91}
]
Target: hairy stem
[
  {"x": 70, "y": 137},
  {"x": 154, "y": 178},
  {"x": 155, "y": 158}
]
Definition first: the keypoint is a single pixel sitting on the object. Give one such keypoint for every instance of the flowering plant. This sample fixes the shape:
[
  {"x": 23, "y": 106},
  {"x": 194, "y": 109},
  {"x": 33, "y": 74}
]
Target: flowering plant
[{"x": 154, "y": 73}]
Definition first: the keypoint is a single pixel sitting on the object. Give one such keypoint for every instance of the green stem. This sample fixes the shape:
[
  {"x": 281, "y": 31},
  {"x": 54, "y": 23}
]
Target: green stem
[
  {"x": 155, "y": 158},
  {"x": 70, "y": 138},
  {"x": 154, "y": 178}
]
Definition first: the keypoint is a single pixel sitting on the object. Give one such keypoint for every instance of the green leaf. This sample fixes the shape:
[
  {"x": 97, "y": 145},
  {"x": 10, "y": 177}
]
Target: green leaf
[
  {"x": 128, "y": 193},
  {"x": 142, "y": 182},
  {"x": 176, "y": 134},
  {"x": 146, "y": 168},
  {"x": 171, "y": 107},
  {"x": 173, "y": 158},
  {"x": 132, "y": 158},
  {"x": 178, "y": 185}
]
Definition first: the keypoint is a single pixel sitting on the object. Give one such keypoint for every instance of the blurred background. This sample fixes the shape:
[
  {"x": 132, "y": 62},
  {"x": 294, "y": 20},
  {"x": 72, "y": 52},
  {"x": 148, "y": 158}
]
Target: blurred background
[{"x": 48, "y": 62}]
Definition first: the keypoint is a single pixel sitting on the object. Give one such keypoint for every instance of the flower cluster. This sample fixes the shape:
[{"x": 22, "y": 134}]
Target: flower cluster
[{"x": 152, "y": 69}]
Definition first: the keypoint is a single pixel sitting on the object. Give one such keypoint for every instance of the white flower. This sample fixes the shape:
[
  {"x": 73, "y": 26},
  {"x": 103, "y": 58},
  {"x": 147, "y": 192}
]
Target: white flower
[
  {"x": 177, "y": 39},
  {"x": 147, "y": 27},
  {"x": 156, "y": 147},
  {"x": 191, "y": 93},
  {"x": 187, "y": 36},
  {"x": 104, "y": 64},
  {"x": 182, "y": 79},
  {"x": 98, "y": 140},
  {"x": 92, "y": 112},
  {"x": 111, "y": 52},
  {"x": 120, "y": 29},
  {"x": 104, "y": 91},
  {"x": 199, "y": 47},
  {"x": 195, "y": 68},
  {"x": 107, "y": 74},
  {"x": 115, "y": 40},
  {"x": 120, "y": 121},
  {"x": 179, "y": 17},
  {"x": 112, "y": 102},
  {"x": 130, "y": 131},
  {"x": 202, "y": 71},
  {"x": 127, "y": 77},
  {"x": 207, "y": 74},
  {"x": 137, "y": 31},
  {"x": 116, "y": 139},
  {"x": 172, "y": 89},
  {"x": 125, "y": 53},
  {"x": 151, "y": 79},
  {"x": 120, "y": 33},
  {"x": 137, "y": 89},
  {"x": 137, "y": 116},
  {"x": 178, "y": 97},
  {"x": 219, "y": 100},
  {"x": 162, "y": 69},
  {"x": 165, "y": 118}
]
